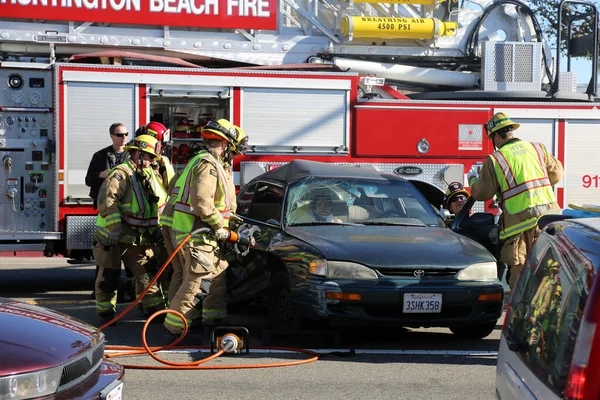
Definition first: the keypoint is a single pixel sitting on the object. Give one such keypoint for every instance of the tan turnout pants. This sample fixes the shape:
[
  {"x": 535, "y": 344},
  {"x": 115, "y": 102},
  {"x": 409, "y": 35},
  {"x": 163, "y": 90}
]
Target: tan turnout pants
[
  {"x": 108, "y": 259},
  {"x": 195, "y": 269},
  {"x": 515, "y": 250}
]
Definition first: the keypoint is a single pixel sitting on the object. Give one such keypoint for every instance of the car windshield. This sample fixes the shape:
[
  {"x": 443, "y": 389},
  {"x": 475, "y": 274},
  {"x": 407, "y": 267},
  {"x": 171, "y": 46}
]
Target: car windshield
[{"x": 316, "y": 201}]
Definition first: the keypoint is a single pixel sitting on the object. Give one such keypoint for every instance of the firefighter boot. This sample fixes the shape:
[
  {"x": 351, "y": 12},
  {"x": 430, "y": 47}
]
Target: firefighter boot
[{"x": 106, "y": 316}]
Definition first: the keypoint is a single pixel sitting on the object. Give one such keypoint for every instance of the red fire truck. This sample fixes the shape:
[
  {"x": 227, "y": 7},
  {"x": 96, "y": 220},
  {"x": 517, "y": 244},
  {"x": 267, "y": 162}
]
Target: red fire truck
[{"x": 405, "y": 85}]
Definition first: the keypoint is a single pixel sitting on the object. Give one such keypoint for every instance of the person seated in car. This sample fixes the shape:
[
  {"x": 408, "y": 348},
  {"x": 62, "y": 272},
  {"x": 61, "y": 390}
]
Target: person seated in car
[
  {"x": 318, "y": 210},
  {"x": 455, "y": 198}
]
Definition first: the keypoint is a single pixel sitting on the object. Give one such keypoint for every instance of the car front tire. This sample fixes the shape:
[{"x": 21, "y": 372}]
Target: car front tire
[
  {"x": 473, "y": 331},
  {"x": 282, "y": 311}
]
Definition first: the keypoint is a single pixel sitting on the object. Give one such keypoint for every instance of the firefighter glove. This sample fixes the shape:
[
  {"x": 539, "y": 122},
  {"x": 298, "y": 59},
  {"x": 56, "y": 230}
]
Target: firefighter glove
[
  {"x": 473, "y": 172},
  {"x": 113, "y": 238},
  {"x": 222, "y": 234},
  {"x": 156, "y": 236},
  {"x": 114, "y": 232},
  {"x": 234, "y": 222}
]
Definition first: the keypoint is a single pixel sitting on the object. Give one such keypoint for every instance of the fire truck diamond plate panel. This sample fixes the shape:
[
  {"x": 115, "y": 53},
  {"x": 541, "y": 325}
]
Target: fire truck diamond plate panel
[
  {"x": 512, "y": 66},
  {"x": 80, "y": 231}
]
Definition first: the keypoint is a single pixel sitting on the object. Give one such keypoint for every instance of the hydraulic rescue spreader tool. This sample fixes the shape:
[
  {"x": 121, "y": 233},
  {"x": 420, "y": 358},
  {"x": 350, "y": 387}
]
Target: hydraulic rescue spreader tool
[{"x": 242, "y": 239}]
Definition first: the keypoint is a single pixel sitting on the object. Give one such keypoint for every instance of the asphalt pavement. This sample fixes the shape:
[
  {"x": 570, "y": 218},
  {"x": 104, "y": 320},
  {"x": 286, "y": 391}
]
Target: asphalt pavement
[{"x": 356, "y": 363}]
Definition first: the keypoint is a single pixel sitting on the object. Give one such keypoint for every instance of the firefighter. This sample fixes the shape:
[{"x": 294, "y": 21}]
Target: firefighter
[
  {"x": 160, "y": 185},
  {"x": 234, "y": 222},
  {"x": 103, "y": 161},
  {"x": 202, "y": 196},
  {"x": 163, "y": 135},
  {"x": 127, "y": 220},
  {"x": 455, "y": 198},
  {"x": 522, "y": 174}
]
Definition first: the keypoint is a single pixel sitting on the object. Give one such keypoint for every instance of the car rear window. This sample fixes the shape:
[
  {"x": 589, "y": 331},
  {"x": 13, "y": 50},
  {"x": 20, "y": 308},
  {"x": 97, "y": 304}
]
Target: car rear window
[{"x": 547, "y": 308}]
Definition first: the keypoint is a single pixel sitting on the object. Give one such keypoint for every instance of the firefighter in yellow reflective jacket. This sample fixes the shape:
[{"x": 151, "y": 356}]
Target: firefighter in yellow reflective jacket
[
  {"x": 127, "y": 220},
  {"x": 523, "y": 174},
  {"x": 203, "y": 196},
  {"x": 160, "y": 185}
]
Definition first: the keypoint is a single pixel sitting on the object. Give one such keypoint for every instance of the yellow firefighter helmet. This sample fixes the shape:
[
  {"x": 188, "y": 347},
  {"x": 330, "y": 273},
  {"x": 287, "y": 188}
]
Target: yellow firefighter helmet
[
  {"x": 499, "y": 121},
  {"x": 241, "y": 145},
  {"x": 145, "y": 143},
  {"x": 221, "y": 130}
]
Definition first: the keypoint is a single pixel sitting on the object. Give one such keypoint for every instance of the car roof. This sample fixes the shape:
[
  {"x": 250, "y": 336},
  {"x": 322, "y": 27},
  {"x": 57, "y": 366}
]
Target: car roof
[
  {"x": 592, "y": 223},
  {"x": 298, "y": 169}
]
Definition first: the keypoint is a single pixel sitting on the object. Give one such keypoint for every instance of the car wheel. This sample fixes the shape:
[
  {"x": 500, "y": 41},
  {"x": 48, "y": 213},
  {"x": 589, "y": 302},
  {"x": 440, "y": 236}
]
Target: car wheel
[
  {"x": 282, "y": 312},
  {"x": 473, "y": 331}
]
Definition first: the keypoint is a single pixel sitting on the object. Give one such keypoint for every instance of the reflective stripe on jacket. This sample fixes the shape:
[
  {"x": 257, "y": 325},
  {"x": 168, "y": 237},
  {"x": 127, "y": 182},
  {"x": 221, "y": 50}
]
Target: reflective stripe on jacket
[
  {"x": 157, "y": 187},
  {"x": 179, "y": 213},
  {"x": 134, "y": 208},
  {"x": 524, "y": 184}
]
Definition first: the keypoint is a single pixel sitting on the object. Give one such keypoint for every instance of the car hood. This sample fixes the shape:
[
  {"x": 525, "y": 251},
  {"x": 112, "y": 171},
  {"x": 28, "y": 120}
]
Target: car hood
[
  {"x": 34, "y": 338},
  {"x": 393, "y": 246}
]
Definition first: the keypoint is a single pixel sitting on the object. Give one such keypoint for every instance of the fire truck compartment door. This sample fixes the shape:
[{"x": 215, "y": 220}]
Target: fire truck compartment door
[
  {"x": 395, "y": 131},
  {"x": 296, "y": 120},
  {"x": 582, "y": 175},
  {"x": 89, "y": 110},
  {"x": 537, "y": 130}
]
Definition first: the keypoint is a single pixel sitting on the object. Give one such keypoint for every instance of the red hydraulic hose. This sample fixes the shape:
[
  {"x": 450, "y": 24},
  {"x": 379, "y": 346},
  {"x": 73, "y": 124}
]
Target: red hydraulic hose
[{"x": 131, "y": 351}]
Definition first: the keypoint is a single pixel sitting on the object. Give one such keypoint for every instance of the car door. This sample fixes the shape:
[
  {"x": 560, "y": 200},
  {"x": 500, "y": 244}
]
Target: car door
[
  {"x": 480, "y": 226},
  {"x": 543, "y": 320},
  {"x": 260, "y": 204}
]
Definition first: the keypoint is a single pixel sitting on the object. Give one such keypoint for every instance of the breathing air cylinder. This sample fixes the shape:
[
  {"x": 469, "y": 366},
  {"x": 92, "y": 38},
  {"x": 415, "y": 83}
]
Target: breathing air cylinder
[
  {"x": 204, "y": 118},
  {"x": 184, "y": 153},
  {"x": 174, "y": 155},
  {"x": 184, "y": 128},
  {"x": 396, "y": 28}
]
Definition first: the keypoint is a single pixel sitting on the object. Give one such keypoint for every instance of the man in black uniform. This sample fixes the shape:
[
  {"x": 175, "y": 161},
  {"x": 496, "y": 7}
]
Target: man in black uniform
[{"x": 105, "y": 159}]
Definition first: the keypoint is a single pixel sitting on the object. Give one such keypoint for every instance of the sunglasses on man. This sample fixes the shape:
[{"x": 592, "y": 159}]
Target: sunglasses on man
[
  {"x": 460, "y": 197},
  {"x": 121, "y": 135}
]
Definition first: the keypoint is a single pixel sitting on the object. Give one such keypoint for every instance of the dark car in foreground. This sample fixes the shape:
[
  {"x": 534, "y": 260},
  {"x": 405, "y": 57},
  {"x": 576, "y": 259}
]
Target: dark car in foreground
[
  {"x": 48, "y": 355},
  {"x": 550, "y": 344},
  {"x": 381, "y": 254}
]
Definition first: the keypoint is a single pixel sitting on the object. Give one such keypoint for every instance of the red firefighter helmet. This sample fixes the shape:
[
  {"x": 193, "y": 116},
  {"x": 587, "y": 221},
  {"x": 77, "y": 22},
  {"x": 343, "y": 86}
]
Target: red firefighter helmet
[
  {"x": 184, "y": 153},
  {"x": 159, "y": 131}
]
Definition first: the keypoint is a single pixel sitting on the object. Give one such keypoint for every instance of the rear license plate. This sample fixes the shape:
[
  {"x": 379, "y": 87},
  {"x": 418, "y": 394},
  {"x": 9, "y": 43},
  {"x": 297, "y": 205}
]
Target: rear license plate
[
  {"x": 113, "y": 392},
  {"x": 422, "y": 303}
]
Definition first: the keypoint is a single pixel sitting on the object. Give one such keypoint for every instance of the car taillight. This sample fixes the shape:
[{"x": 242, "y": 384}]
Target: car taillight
[{"x": 583, "y": 382}]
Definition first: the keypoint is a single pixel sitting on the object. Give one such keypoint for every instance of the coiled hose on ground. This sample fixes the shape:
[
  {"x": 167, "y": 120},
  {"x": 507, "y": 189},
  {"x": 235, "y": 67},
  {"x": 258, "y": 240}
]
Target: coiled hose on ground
[{"x": 123, "y": 351}]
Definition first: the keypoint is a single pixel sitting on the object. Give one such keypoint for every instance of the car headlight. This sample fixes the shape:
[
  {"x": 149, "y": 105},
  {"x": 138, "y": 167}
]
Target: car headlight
[
  {"x": 30, "y": 385},
  {"x": 341, "y": 270},
  {"x": 478, "y": 272}
]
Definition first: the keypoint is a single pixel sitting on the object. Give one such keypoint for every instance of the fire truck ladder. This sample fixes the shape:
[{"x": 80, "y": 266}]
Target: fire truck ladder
[{"x": 396, "y": 31}]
